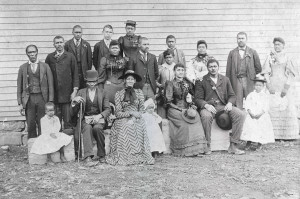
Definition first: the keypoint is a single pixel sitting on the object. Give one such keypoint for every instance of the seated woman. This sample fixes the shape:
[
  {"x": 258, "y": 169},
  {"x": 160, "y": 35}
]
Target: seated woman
[
  {"x": 186, "y": 130},
  {"x": 111, "y": 68},
  {"x": 129, "y": 143}
]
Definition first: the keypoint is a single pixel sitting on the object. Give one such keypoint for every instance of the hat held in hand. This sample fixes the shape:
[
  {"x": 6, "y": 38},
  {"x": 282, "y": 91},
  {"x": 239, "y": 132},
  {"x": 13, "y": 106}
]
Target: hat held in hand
[
  {"x": 190, "y": 115},
  {"x": 223, "y": 120}
]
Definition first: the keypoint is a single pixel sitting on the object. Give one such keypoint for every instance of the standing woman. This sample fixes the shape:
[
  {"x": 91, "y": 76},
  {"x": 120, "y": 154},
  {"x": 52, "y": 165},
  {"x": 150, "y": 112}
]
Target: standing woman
[
  {"x": 129, "y": 143},
  {"x": 111, "y": 68},
  {"x": 186, "y": 130},
  {"x": 280, "y": 74}
]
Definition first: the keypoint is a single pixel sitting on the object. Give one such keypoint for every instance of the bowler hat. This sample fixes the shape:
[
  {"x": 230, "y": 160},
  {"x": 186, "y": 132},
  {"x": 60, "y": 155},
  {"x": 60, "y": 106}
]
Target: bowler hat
[
  {"x": 131, "y": 73},
  {"x": 259, "y": 78},
  {"x": 91, "y": 75},
  {"x": 223, "y": 120},
  {"x": 190, "y": 115}
]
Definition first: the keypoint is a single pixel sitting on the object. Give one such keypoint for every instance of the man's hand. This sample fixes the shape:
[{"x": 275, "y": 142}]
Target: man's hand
[
  {"x": 194, "y": 107},
  {"x": 21, "y": 109},
  {"x": 210, "y": 108},
  {"x": 78, "y": 99},
  {"x": 53, "y": 135},
  {"x": 228, "y": 107},
  {"x": 73, "y": 94}
]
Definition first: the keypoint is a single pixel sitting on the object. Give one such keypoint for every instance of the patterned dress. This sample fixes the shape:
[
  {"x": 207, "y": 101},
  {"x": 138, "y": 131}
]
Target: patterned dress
[
  {"x": 187, "y": 139},
  {"x": 129, "y": 143},
  {"x": 280, "y": 71}
]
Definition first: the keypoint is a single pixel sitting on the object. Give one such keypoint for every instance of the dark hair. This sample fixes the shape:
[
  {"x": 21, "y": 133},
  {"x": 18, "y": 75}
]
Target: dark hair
[
  {"x": 114, "y": 43},
  {"x": 49, "y": 104},
  {"x": 170, "y": 37},
  {"x": 141, "y": 39},
  {"x": 107, "y": 26},
  {"x": 279, "y": 39},
  {"x": 77, "y": 26},
  {"x": 201, "y": 42},
  {"x": 242, "y": 33},
  {"x": 179, "y": 65},
  {"x": 58, "y": 37},
  {"x": 212, "y": 61},
  {"x": 168, "y": 52},
  {"x": 31, "y": 45}
]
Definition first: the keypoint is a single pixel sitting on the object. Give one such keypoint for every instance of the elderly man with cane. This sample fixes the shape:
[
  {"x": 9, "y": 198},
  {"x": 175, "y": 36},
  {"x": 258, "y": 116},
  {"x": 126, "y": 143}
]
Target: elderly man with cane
[{"x": 95, "y": 109}]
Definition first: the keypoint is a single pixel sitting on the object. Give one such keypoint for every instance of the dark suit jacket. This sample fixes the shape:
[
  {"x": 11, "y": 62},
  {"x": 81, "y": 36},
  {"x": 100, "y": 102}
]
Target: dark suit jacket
[
  {"x": 100, "y": 50},
  {"x": 65, "y": 75},
  {"x": 204, "y": 91},
  {"x": 86, "y": 54},
  {"x": 103, "y": 102},
  {"x": 141, "y": 67},
  {"x": 46, "y": 83},
  {"x": 233, "y": 64}
]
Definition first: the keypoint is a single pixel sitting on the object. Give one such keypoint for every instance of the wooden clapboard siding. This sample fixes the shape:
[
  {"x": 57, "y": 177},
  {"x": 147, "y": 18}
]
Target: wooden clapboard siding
[{"x": 216, "y": 21}]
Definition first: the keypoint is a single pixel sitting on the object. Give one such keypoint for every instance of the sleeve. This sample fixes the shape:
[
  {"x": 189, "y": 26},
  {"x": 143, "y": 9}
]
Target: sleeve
[
  {"x": 74, "y": 69},
  {"x": 141, "y": 101},
  {"x": 121, "y": 42},
  {"x": 249, "y": 101},
  {"x": 57, "y": 125},
  {"x": 156, "y": 72},
  {"x": 290, "y": 71},
  {"x": 228, "y": 65},
  {"x": 266, "y": 106},
  {"x": 120, "y": 113},
  {"x": 169, "y": 92},
  {"x": 89, "y": 56},
  {"x": 257, "y": 65},
  {"x": 50, "y": 84},
  {"x": 95, "y": 55},
  {"x": 160, "y": 59},
  {"x": 230, "y": 93},
  {"x": 199, "y": 98},
  {"x": 102, "y": 70},
  {"x": 183, "y": 58},
  {"x": 131, "y": 64},
  {"x": 20, "y": 86},
  {"x": 106, "y": 107}
]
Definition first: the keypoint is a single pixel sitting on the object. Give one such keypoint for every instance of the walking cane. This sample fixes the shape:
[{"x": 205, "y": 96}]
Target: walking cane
[{"x": 79, "y": 132}]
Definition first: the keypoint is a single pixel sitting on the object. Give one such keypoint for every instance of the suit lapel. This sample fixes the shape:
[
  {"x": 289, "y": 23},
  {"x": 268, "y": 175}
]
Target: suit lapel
[
  {"x": 82, "y": 43},
  {"x": 25, "y": 74},
  {"x": 141, "y": 58},
  {"x": 220, "y": 81},
  {"x": 99, "y": 98},
  {"x": 72, "y": 45}
]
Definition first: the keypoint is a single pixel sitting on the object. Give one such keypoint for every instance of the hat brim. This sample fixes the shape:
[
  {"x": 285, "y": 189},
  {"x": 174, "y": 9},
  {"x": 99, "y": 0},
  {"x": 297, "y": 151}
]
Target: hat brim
[
  {"x": 188, "y": 120},
  {"x": 91, "y": 79},
  {"x": 259, "y": 80},
  {"x": 220, "y": 117},
  {"x": 136, "y": 76}
]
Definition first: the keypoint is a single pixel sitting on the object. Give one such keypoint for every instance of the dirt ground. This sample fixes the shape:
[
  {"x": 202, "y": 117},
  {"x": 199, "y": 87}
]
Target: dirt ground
[{"x": 272, "y": 172}]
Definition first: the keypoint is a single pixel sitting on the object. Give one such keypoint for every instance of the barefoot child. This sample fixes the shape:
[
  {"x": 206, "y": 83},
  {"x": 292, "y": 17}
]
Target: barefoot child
[
  {"x": 155, "y": 136},
  {"x": 257, "y": 128},
  {"x": 50, "y": 140}
]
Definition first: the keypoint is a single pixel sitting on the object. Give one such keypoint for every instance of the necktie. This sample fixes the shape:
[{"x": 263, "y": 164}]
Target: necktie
[
  {"x": 77, "y": 43},
  {"x": 145, "y": 56}
]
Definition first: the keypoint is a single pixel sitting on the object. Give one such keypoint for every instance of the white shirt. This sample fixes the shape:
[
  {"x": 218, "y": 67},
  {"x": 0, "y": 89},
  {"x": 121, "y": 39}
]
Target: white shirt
[
  {"x": 215, "y": 79},
  {"x": 144, "y": 55},
  {"x": 92, "y": 94},
  {"x": 33, "y": 65},
  {"x": 75, "y": 41},
  {"x": 107, "y": 42},
  {"x": 242, "y": 51}
]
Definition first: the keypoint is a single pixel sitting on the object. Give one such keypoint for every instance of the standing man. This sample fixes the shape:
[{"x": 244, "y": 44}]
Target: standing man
[
  {"x": 96, "y": 109},
  {"x": 178, "y": 54},
  {"x": 214, "y": 94},
  {"x": 145, "y": 65},
  {"x": 129, "y": 43},
  {"x": 101, "y": 49},
  {"x": 82, "y": 51},
  {"x": 243, "y": 64},
  {"x": 65, "y": 74},
  {"x": 35, "y": 89}
]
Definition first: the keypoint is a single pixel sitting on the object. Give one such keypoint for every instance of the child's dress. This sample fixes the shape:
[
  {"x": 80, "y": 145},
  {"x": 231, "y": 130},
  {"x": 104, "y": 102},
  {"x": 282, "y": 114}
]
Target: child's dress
[
  {"x": 258, "y": 130},
  {"x": 45, "y": 144},
  {"x": 154, "y": 133}
]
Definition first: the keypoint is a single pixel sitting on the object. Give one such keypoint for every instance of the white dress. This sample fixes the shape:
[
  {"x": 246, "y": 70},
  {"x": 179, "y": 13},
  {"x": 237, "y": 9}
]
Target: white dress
[
  {"x": 154, "y": 133},
  {"x": 45, "y": 144},
  {"x": 258, "y": 130}
]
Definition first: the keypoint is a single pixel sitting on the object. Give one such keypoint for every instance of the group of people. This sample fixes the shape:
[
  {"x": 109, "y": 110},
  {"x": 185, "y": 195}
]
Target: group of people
[{"x": 131, "y": 92}]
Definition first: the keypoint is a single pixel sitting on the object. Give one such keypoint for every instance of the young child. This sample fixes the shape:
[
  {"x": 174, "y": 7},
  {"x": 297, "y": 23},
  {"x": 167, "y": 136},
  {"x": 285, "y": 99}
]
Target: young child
[
  {"x": 257, "y": 127},
  {"x": 155, "y": 136},
  {"x": 51, "y": 140}
]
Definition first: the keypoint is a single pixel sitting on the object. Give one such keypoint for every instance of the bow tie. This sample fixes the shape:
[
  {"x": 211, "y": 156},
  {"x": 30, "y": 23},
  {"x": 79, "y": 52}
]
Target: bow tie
[
  {"x": 242, "y": 49},
  {"x": 130, "y": 95}
]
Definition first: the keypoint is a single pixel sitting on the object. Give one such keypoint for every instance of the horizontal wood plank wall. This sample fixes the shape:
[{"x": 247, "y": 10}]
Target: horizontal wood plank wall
[{"x": 38, "y": 21}]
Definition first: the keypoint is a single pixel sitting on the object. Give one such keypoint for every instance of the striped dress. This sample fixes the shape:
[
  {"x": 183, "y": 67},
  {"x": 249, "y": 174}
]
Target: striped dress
[{"x": 129, "y": 143}]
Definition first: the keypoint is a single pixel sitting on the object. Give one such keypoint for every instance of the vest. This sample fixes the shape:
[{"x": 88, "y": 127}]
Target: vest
[
  {"x": 243, "y": 68},
  {"x": 91, "y": 107},
  {"x": 34, "y": 80}
]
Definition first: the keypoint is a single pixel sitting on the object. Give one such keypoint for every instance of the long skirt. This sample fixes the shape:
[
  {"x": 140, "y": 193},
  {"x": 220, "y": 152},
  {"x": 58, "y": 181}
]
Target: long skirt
[
  {"x": 187, "y": 139},
  {"x": 129, "y": 143}
]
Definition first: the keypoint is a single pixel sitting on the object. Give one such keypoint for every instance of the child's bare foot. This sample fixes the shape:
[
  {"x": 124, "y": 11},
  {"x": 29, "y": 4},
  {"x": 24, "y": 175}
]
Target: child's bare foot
[{"x": 63, "y": 159}]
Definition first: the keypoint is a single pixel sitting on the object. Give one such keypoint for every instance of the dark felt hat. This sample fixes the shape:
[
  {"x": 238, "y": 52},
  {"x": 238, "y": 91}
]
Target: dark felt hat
[
  {"x": 131, "y": 73},
  {"x": 223, "y": 120},
  {"x": 114, "y": 43},
  {"x": 278, "y": 39},
  {"x": 201, "y": 42},
  {"x": 190, "y": 115},
  {"x": 130, "y": 23},
  {"x": 91, "y": 75},
  {"x": 259, "y": 78}
]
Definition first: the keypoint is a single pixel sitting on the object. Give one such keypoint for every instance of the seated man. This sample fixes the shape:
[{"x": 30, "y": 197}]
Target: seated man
[
  {"x": 213, "y": 94},
  {"x": 95, "y": 110}
]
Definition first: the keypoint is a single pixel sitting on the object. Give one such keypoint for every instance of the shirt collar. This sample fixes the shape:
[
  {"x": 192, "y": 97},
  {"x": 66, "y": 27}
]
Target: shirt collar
[
  {"x": 57, "y": 53},
  {"x": 242, "y": 48},
  {"x": 75, "y": 41},
  {"x": 36, "y": 62},
  {"x": 143, "y": 53}
]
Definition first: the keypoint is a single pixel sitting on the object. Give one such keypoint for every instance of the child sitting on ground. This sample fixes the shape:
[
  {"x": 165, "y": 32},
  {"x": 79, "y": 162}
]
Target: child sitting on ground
[
  {"x": 50, "y": 140},
  {"x": 258, "y": 127},
  {"x": 155, "y": 136}
]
